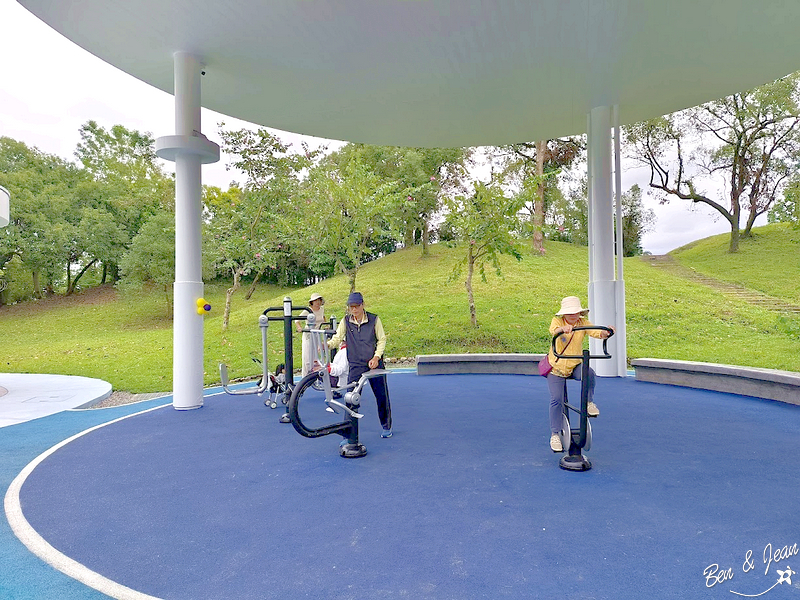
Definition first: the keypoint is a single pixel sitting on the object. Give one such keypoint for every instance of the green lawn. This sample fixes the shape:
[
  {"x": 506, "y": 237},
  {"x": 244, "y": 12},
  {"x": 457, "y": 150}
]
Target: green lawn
[
  {"x": 768, "y": 261},
  {"x": 127, "y": 340}
]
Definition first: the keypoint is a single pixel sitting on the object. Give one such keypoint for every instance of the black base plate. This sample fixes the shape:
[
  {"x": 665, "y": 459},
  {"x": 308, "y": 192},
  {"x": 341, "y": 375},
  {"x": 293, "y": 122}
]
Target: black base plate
[
  {"x": 575, "y": 463},
  {"x": 352, "y": 451}
]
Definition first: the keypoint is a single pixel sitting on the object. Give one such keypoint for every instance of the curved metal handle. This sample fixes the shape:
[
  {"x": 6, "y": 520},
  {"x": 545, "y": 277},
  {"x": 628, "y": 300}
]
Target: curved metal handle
[
  {"x": 585, "y": 327},
  {"x": 251, "y": 391},
  {"x": 343, "y": 428},
  {"x": 344, "y": 407},
  {"x": 263, "y": 323}
]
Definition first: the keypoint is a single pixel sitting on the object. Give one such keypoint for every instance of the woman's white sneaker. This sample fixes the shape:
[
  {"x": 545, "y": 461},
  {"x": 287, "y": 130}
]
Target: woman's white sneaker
[
  {"x": 555, "y": 443},
  {"x": 592, "y": 410}
]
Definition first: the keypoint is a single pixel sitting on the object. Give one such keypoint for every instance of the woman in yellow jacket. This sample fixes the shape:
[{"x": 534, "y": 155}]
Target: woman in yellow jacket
[{"x": 571, "y": 343}]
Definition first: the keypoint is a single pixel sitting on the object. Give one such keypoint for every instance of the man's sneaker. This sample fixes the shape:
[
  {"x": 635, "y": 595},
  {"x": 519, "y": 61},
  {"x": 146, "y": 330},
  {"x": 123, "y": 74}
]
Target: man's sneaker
[
  {"x": 386, "y": 433},
  {"x": 555, "y": 443},
  {"x": 592, "y": 410}
]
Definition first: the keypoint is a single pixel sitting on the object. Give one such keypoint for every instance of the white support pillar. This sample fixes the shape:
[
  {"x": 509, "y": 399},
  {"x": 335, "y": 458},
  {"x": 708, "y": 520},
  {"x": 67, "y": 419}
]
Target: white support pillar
[
  {"x": 5, "y": 207},
  {"x": 189, "y": 149},
  {"x": 603, "y": 286},
  {"x": 621, "y": 337}
]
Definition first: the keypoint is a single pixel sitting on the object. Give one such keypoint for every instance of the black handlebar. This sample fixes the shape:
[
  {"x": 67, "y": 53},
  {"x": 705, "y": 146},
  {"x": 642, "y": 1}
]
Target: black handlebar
[
  {"x": 279, "y": 309},
  {"x": 584, "y": 327}
]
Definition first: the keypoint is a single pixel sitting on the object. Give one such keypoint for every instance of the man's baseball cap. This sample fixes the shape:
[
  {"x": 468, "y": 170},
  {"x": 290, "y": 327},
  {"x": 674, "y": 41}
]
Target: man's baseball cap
[{"x": 355, "y": 298}]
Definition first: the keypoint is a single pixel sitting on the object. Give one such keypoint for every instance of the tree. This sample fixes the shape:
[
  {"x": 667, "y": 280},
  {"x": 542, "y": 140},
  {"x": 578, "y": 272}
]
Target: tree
[
  {"x": 151, "y": 256},
  {"x": 44, "y": 212},
  {"x": 424, "y": 177},
  {"x": 536, "y": 165},
  {"x": 345, "y": 208},
  {"x": 636, "y": 221},
  {"x": 483, "y": 223},
  {"x": 787, "y": 209},
  {"x": 569, "y": 219},
  {"x": 69, "y": 219},
  {"x": 126, "y": 183},
  {"x": 755, "y": 147},
  {"x": 421, "y": 178},
  {"x": 251, "y": 227},
  {"x": 237, "y": 237},
  {"x": 568, "y": 216},
  {"x": 99, "y": 237}
]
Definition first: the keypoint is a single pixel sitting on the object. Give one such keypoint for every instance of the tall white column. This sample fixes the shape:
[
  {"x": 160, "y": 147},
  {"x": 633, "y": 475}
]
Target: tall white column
[
  {"x": 604, "y": 288},
  {"x": 621, "y": 338},
  {"x": 5, "y": 207},
  {"x": 189, "y": 149}
]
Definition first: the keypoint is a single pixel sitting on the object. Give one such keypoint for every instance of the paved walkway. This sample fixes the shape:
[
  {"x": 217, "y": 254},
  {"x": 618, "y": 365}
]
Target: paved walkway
[{"x": 24, "y": 396}]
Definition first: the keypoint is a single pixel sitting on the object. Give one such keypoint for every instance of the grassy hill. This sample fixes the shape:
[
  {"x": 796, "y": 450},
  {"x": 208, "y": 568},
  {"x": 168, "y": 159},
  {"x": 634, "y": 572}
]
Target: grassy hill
[
  {"x": 127, "y": 340},
  {"x": 769, "y": 261}
]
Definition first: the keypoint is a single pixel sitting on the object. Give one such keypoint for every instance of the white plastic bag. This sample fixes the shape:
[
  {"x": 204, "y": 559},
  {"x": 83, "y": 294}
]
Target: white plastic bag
[{"x": 340, "y": 366}]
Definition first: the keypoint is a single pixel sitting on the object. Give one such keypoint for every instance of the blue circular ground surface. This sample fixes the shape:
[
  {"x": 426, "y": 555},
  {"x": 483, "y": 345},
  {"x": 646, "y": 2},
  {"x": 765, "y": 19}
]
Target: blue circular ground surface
[{"x": 465, "y": 501}]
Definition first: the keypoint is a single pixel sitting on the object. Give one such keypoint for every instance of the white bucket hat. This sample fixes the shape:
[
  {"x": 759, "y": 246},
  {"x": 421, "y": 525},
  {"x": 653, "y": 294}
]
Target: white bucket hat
[
  {"x": 316, "y": 296},
  {"x": 571, "y": 305}
]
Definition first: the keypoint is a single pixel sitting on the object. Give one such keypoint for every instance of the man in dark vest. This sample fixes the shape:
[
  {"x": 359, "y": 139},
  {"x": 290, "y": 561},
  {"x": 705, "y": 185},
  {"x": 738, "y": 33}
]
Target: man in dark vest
[{"x": 366, "y": 341}]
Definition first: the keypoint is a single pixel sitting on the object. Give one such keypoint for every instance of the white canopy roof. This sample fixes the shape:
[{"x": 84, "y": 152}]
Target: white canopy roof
[{"x": 442, "y": 72}]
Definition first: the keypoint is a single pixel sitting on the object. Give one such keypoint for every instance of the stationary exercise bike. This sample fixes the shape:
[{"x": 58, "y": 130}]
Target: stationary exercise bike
[
  {"x": 317, "y": 388},
  {"x": 579, "y": 439}
]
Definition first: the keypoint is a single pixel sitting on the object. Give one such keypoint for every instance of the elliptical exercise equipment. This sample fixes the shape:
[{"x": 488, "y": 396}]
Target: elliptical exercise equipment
[
  {"x": 311, "y": 385},
  {"x": 579, "y": 439},
  {"x": 287, "y": 317}
]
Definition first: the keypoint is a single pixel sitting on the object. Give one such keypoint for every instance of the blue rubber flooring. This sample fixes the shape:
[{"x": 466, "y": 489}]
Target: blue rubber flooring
[{"x": 465, "y": 501}]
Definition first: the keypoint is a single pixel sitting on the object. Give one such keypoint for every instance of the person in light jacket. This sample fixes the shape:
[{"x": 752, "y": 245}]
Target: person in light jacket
[{"x": 569, "y": 342}]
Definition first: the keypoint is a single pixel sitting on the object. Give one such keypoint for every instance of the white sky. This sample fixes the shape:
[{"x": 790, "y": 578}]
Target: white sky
[{"x": 49, "y": 87}]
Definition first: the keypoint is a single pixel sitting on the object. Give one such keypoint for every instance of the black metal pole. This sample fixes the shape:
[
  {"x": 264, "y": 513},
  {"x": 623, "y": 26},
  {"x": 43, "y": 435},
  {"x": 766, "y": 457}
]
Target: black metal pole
[
  {"x": 584, "y": 399},
  {"x": 287, "y": 352},
  {"x": 287, "y": 340}
]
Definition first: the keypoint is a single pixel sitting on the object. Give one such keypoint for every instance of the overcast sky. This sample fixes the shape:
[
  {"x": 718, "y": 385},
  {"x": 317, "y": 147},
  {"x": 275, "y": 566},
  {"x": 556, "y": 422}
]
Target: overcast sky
[{"x": 49, "y": 87}]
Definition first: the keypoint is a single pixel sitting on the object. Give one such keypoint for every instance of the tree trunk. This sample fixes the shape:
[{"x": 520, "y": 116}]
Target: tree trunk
[
  {"x": 538, "y": 201},
  {"x": 735, "y": 215},
  {"x": 408, "y": 237},
  {"x": 751, "y": 219},
  {"x": 468, "y": 284},
  {"x": 71, "y": 287},
  {"x": 351, "y": 277},
  {"x": 228, "y": 295},
  {"x": 425, "y": 237},
  {"x": 734, "y": 245},
  {"x": 37, "y": 288},
  {"x": 168, "y": 298},
  {"x": 69, "y": 278},
  {"x": 252, "y": 289},
  {"x": 105, "y": 273}
]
